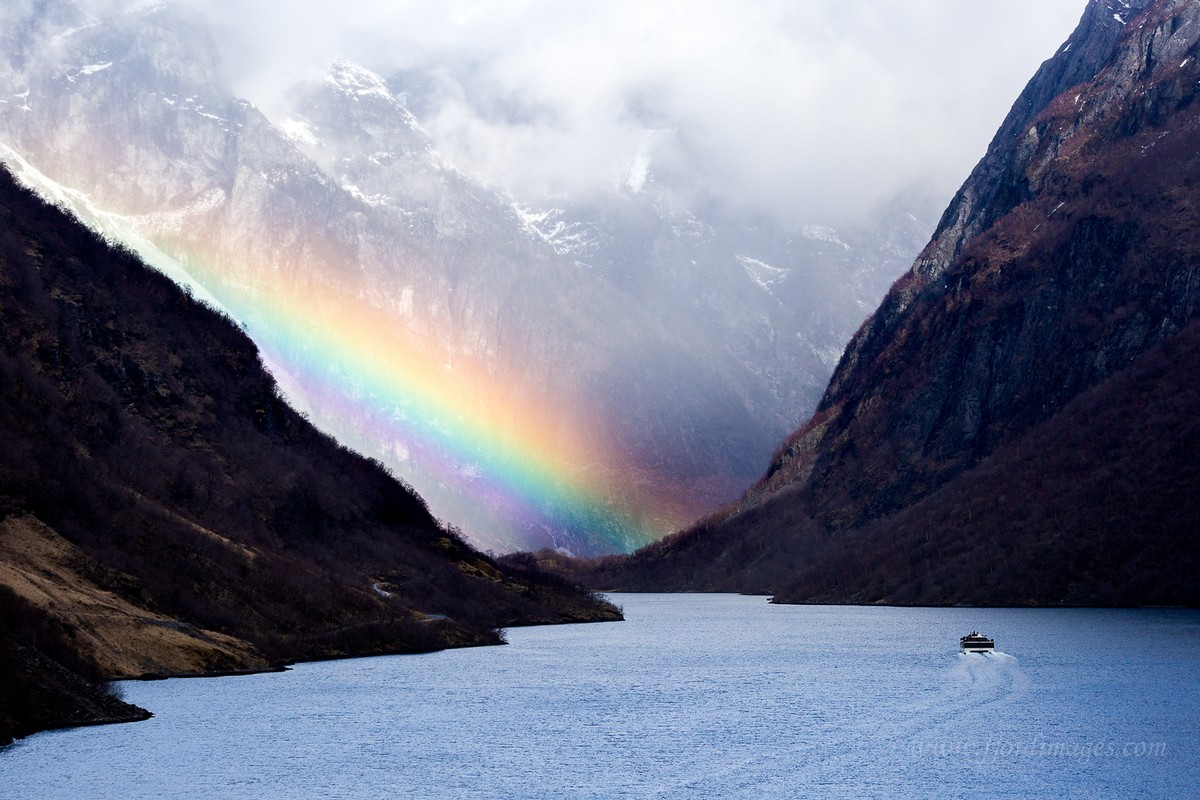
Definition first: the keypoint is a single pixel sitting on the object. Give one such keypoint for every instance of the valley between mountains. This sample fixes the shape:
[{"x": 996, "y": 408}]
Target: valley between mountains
[{"x": 295, "y": 387}]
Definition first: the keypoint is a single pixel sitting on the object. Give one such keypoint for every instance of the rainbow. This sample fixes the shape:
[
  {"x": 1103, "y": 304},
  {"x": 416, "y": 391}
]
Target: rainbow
[{"x": 459, "y": 435}]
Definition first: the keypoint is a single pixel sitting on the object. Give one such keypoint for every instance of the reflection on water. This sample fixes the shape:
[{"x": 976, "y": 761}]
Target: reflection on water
[{"x": 692, "y": 696}]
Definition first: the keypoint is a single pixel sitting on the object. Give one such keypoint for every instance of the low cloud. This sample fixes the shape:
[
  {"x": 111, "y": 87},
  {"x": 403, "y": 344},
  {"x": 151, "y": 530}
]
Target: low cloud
[{"x": 809, "y": 111}]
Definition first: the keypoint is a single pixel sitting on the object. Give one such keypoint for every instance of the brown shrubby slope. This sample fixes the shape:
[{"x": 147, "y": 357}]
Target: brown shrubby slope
[{"x": 139, "y": 431}]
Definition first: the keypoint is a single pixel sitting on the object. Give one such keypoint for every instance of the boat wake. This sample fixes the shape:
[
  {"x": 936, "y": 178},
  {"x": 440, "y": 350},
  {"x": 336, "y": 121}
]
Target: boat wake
[
  {"x": 999, "y": 655},
  {"x": 979, "y": 681}
]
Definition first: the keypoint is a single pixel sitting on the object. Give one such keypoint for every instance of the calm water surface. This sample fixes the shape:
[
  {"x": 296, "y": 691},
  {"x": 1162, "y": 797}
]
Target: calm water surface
[{"x": 693, "y": 696}]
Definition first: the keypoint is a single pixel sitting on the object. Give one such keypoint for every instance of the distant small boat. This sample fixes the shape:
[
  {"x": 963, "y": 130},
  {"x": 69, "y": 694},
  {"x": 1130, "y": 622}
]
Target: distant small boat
[{"x": 976, "y": 642}]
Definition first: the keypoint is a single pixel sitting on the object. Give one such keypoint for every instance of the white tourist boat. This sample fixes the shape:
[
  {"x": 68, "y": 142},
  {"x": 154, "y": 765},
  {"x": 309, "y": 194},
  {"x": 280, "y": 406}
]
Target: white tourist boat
[{"x": 976, "y": 642}]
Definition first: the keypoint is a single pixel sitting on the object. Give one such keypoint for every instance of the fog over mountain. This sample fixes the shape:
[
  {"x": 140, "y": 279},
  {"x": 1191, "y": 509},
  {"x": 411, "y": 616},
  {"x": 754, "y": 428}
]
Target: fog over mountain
[
  {"x": 810, "y": 111},
  {"x": 570, "y": 275}
]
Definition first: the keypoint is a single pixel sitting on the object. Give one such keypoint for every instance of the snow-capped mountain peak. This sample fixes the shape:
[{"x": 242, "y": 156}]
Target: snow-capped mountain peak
[
  {"x": 363, "y": 84},
  {"x": 357, "y": 80}
]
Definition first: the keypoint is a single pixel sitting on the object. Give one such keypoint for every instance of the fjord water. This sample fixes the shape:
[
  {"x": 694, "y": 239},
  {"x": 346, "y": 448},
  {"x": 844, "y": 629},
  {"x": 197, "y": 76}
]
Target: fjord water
[{"x": 717, "y": 696}]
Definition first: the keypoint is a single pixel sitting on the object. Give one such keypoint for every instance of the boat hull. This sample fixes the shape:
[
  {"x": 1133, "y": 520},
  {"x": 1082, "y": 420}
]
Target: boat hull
[{"x": 976, "y": 642}]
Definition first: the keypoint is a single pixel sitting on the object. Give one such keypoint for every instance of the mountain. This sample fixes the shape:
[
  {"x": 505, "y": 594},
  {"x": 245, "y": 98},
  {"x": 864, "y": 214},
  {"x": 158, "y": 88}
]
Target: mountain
[
  {"x": 163, "y": 511},
  {"x": 586, "y": 373},
  {"x": 1015, "y": 424}
]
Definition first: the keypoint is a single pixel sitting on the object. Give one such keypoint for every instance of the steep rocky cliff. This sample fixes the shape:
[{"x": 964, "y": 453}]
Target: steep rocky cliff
[{"x": 1070, "y": 253}]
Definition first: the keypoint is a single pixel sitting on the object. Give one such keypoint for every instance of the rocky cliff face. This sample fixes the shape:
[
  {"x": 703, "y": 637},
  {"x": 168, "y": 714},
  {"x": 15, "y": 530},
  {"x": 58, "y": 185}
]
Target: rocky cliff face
[
  {"x": 1007, "y": 174},
  {"x": 1070, "y": 253},
  {"x": 665, "y": 348},
  {"x": 993, "y": 331}
]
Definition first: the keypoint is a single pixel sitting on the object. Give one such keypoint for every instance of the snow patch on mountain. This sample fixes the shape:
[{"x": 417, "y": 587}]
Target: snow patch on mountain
[
  {"x": 821, "y": 233},
  {"x": 373, "y": 200},
  {"x": 551, "y": 226},
  {"x": 90, "y": 69},
  {"x": 298, "y": 131},
  {"x": 191, "y": 103},
  {"x": 1120, "y": 15},
  {"x": 761, "y": 272},
  {"x": 637, "y": 172},
  {"x": 23, "y": 97}
]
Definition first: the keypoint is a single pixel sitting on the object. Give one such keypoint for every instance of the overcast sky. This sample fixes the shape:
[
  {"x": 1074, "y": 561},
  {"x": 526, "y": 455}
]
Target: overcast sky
[{"x": 810, "y": 109}]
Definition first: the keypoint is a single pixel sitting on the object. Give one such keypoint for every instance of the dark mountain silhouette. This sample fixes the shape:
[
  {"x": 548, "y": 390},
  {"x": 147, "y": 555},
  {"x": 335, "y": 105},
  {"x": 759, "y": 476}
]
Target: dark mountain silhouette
[
  {"x": 1016, "y": 423},
  {"x": 163, "y": 510}
]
